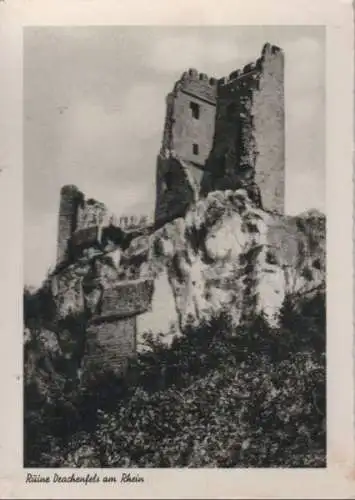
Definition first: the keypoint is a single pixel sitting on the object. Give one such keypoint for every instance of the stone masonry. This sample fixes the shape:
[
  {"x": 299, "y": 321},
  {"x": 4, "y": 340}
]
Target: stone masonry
[
  {"x": 224, "y": 134},
  {"x": 91, "y": 281}
]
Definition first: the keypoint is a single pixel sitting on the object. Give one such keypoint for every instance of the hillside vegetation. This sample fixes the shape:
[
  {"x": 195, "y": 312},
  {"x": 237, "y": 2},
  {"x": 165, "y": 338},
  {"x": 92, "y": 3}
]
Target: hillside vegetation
[{"x": 219, "y": 396}]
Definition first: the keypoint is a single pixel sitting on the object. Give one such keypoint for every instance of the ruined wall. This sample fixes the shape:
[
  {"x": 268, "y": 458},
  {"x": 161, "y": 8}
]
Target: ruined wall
[
  {"x": 110, "y": 344},
  {"x": 249, "y": 142},
  {"x": 187, "y": 142},
  {"x": 96, "y": 282},
  {"x": 192, "y": 128},
  {"x": 190, "y": 117},
  {"x": 173, "y": 190},
  {"x": 93, "y": 213},
  {"x": 70, "y": 200},
  {"x": 233, "y": 150},
  {"x": 269, "y": 129},
  {"x": 192, "y": 137},
  {"x": 234, "y": 125},
  {"x": 109, "y": 306}
]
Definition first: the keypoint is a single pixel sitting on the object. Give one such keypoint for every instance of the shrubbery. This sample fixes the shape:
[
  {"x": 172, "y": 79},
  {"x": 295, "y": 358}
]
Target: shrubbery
[{"x": 217, "y": 397}]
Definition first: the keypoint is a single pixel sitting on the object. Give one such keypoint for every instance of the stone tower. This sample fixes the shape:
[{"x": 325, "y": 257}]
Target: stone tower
[
  {"x": 70, "y": 200},
  {"x": 269, "y": 129},
  {"x": 187, "y": 142},
  {"x": 225, "y": 134},
  {"x": 249, "y": 140},
  {"x": 191, "y": 110}
]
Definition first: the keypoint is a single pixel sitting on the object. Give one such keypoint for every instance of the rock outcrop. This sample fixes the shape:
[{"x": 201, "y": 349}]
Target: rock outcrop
[{"x": 226, "y": 254}]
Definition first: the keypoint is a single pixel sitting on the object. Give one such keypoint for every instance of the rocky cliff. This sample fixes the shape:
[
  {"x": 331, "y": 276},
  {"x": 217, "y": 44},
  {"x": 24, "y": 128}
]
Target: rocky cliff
[{"x": 224, "y": 255}]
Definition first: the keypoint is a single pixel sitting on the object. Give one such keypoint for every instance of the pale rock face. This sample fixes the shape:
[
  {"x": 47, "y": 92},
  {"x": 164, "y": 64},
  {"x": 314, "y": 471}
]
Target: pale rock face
[
  {"x": 68, "y": 292},
  {"x": 116, "y": 258},
  {"x": 226, "y": 252},
  {"x": 71, "y": 295},
  {"x": 162, "y": 319}
]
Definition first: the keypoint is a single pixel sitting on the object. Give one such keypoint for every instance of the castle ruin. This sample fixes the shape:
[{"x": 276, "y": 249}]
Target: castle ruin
[
  {"x": 218, "y": 134},
  {"x": 224, "y": 134}
]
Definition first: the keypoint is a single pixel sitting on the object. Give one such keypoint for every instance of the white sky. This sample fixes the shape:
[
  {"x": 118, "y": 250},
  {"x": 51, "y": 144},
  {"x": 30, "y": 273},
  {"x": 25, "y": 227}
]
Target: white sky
[{"x": 94, "y": 107}]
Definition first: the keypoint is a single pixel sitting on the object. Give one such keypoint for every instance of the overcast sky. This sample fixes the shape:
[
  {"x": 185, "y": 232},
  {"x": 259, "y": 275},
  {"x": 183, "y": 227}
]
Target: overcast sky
[{"x": 94, "y": 107}]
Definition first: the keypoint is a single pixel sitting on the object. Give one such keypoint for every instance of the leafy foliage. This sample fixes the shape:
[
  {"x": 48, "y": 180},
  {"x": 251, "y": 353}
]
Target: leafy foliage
[{"x": 217, "y": 397}]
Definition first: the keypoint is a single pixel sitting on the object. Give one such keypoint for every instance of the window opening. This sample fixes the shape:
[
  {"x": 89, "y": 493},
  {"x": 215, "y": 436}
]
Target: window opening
[{"x": 195, "y": 109}]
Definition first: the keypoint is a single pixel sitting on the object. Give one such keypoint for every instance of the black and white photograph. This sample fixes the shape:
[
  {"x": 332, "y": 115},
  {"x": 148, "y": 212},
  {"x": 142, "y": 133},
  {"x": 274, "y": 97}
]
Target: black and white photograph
[
  {"x": 174, "y": 301},
  {"x": 177, "y": 266}
]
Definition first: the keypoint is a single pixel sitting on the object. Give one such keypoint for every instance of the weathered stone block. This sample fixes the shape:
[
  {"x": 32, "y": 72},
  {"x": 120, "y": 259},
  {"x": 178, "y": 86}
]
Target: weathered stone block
[
  {"x": 110, "y": 344},
  {"x": 126, "y": 299}
]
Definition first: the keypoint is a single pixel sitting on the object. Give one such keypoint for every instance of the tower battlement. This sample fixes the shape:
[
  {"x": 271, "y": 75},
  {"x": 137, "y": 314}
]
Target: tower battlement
[
  {"x": 250, "y": 72},
  {"x": 198, "y": 85},
  {"x": 238, "y": 76}
]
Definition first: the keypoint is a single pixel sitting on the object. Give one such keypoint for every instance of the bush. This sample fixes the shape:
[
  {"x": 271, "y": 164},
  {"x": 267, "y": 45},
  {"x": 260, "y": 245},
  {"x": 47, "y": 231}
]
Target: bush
[{"x": 217, "y": 397}]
